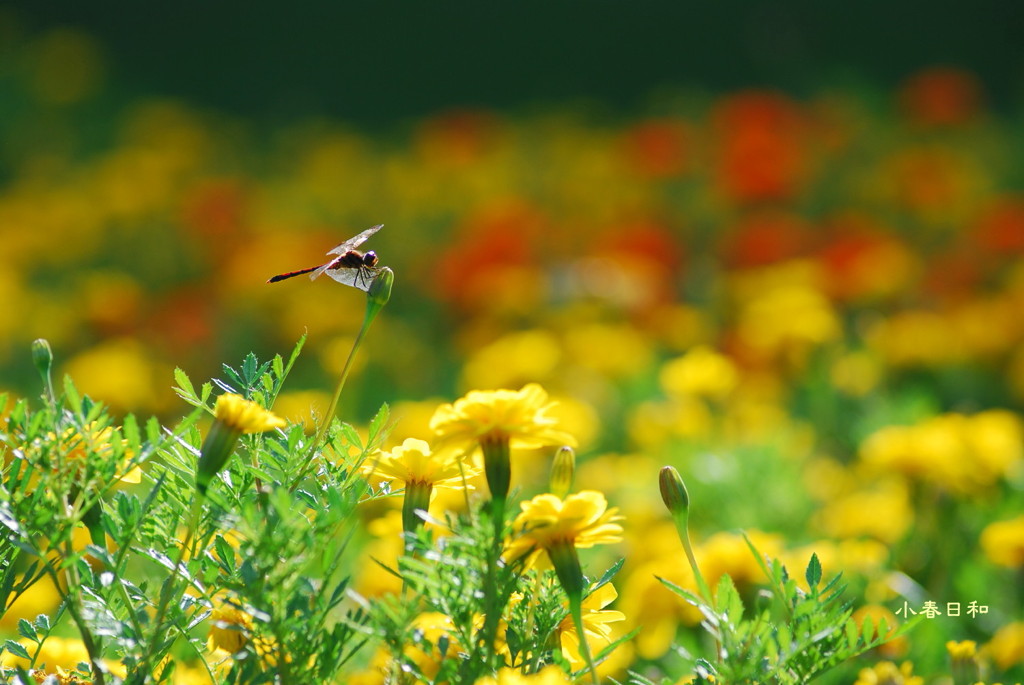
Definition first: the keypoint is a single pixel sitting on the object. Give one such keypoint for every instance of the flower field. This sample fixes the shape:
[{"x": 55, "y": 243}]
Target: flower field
[{"x": 811, "y": 308}]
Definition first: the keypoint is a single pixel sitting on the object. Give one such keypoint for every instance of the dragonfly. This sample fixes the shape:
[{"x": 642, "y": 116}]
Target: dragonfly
[{"x": 351, "y": 267}]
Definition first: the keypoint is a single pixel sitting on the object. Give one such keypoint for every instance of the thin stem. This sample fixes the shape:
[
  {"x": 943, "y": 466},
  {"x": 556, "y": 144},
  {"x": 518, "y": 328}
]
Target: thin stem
[
  {"x": 321, "y": 434},
  {"x": 576, "y": 609},
  {"x": 165, "y": 594}
]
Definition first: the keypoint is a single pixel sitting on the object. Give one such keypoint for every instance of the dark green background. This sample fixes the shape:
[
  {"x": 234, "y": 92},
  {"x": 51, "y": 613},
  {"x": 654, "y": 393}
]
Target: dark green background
[{"x": 380, "y": 62}]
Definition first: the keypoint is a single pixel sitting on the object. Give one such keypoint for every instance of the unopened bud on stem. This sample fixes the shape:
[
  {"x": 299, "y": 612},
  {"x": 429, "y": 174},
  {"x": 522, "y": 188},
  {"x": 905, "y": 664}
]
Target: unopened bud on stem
[{"x": 563, "y": 470}]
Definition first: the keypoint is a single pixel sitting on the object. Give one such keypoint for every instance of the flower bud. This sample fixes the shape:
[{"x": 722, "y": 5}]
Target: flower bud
[
  {"x": 673, "y": 491},
  {"x": 380, "y": 290},
  {"x": 563, "y": 470},
  {"x": 42, "y": 357}
]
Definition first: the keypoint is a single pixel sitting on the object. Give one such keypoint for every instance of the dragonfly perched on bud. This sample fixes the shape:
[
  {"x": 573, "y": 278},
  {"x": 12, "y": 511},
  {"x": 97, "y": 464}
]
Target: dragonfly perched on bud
[{"x": 351, "y": 267}]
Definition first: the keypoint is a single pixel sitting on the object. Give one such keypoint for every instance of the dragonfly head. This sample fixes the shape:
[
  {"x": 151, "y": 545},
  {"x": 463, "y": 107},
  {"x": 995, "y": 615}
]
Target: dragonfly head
[{"x": 370, "y": 258}]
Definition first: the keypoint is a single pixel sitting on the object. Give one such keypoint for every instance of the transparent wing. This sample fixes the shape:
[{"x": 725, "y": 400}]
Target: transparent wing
[
  {"x": 320, "y": 271},
  {"x": 356, "y": 241},
  {"x": 360, "y": 277}
]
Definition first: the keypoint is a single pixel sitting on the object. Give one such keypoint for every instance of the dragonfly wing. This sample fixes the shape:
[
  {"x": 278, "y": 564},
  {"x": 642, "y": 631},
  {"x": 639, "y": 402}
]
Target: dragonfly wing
[
  {"x": 360, "y": 277},
  {"x": 320, "y": 271},
  {"x": 356, "y": 241}
]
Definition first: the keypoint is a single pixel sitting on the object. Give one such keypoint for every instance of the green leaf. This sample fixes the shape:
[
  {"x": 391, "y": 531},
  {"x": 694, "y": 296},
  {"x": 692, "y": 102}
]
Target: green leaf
[
  {"x": 813, "y": 574},
  {"x": 185, "y": 389},
  {"x": 26, "y": 630},
  {"x": 71, "y": 395},
  {"x": 17, "y": 649},
  {"x": 377, "y": 425},
  {"x": 42, "y": 623}
]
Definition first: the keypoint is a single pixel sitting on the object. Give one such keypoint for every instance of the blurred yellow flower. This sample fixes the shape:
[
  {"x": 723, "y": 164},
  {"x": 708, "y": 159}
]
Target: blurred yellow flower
[
  {"x": 596, "y": 620},
  {"x": 40, "y": 598},
  {"x": 1003, "y": 542},
  {"x": 245, "y": 415},
  {"x": 962, "y": 651},
  {"x": 76, "y": 445},
  {"x": 64, "y": 653},
  {"x": 230, "y": 628},
  {"x": 888, "y": 673},
  {"x": 963, "y": 454},
  {"x": 520, "y": 416},
  {"x": 618, "y": 351},
  {"x": 513, "y": 359},
  {"x": 302, "y": 406},
  {"x": 581, "y": 520},
  {"x": 881, "y": 511},
  {"x": 1006, "y": 648},
  {"x": 432, "y": 625},
  {"x": 121, "y": 373},
  {"x": 702, "y": 372}
]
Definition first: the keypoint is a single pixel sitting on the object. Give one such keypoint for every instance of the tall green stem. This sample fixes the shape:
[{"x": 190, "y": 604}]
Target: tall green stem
[{"x": 376, "y": 298}]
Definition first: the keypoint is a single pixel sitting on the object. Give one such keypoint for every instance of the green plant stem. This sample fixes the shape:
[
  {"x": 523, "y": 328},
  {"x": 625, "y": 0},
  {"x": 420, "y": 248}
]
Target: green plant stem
[
  {"x": 576, "y": 610},
  {"x": 165, "y": 594},
  {"x": 321, "y": 434},
  {"x": 71, "y": 601},
  {"x": 701, "y": 583}
]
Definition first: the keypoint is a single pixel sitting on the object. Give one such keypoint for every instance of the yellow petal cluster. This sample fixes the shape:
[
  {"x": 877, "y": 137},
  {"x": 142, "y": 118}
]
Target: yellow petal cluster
[
  {"x": 888, "y": 673},
  {"x": 582, "y": 520},
  {"x": 961, "y": 453},
  {"x": 1003, "y": 542},
  {"x": 230, "y": 628},
  {"x": 519, "y": 415},
  {"x": 413, "y": 463},
  {"x": 245, "y": 415},
  {"x": 596, "y": 620}
]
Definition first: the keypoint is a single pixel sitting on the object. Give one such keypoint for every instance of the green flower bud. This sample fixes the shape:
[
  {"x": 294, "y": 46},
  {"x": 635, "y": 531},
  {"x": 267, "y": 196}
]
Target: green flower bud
[
  {"x": 673, "y": 491},
  {"x": 563, "y": 470}
]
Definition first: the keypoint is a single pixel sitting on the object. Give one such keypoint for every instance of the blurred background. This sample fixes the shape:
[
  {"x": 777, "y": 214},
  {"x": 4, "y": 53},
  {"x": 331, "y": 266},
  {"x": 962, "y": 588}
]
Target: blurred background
[{"x": 779, "y": 244}]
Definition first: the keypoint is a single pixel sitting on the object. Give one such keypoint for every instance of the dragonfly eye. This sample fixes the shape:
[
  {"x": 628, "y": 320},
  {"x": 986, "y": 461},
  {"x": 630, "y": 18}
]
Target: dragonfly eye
[{"x": 370, "y": 258}]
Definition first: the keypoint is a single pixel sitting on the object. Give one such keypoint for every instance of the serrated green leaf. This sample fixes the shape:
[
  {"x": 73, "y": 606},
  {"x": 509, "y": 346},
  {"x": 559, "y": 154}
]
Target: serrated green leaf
[
  {"x": 184, "y": 382},
  {"x": 17, "y": 649},
  {"x": 813, "y": 574},
  {"x": 351, "y": 435},
  {"x": 42, "y": 623},
  {"x": 378, "y": 423},
  {"x": 852, "y": 634},
  {"x": 27, "y": 630}
]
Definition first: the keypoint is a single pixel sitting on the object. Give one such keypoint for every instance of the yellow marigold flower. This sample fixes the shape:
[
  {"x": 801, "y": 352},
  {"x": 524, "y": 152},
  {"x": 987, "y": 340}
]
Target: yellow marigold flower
[
  {"x": 234, "y": 415},
  {"x": 413, "y": 462},
  {"x": 549, "y": 675},
  {"x": 960, "y": 651},
  {"x": 420, "y": 471},
  {"x": 888, "y": 673},
  {"x": 1003, "y": 542},
  {"x": 433, "y": 626},
  {"x": 596, "y": 626},
  {"x": 245, "y": 415},
  {"x": 582, "y": 520},
  {"x": 1006, "y": 648},
  {"x": 962, "y": 454},
  {"x": 882, "y": 512},
  {"x": 77, "y": 445},
  {"x": 498, "y": 420},
  {"x": 521, "y": 416},
  {"x": 230, "y": 628}
]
